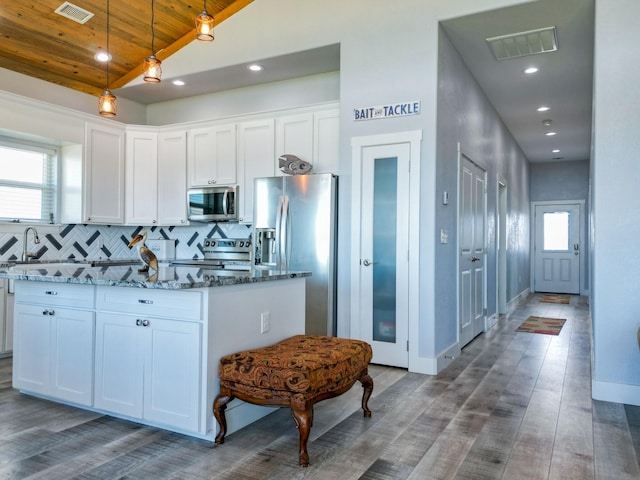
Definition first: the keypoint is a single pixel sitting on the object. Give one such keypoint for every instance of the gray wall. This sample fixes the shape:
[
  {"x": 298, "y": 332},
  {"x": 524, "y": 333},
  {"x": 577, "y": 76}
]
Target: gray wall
[
  {"x": 466, "y": 116},
  {"x": 558, "y": 181},
  {"x": 615, "y": 170}
]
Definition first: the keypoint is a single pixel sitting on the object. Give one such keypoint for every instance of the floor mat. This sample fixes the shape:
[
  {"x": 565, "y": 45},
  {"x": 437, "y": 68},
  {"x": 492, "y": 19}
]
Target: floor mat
[
  {"x": 553, "y": 298},
  {"x": 545, "y": 325}
]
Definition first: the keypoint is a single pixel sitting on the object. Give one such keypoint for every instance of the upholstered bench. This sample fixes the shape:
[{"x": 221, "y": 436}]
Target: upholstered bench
[{"x": 296, "y": 372}]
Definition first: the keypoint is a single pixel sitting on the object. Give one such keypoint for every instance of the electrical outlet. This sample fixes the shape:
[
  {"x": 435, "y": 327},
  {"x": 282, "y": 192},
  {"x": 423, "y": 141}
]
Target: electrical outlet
[{"x": 265, "y": 322}]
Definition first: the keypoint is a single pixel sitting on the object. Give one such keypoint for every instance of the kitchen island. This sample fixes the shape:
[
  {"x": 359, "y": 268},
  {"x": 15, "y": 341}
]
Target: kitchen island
[{"x": 146, "y": 348}]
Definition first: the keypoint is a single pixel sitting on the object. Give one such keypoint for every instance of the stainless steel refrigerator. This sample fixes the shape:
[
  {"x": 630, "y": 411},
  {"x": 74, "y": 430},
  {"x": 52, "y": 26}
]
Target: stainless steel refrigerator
[{"x": 295, "y": 229}]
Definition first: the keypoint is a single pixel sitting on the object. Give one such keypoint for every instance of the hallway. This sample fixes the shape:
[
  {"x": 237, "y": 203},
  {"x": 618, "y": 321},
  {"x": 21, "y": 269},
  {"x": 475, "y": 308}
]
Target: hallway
[{"x": 512, "y": 405}]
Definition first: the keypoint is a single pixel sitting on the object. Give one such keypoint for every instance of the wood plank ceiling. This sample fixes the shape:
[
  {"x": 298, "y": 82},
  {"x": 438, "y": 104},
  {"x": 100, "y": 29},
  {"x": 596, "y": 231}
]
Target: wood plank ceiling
[{"x": 38, "y": 42}]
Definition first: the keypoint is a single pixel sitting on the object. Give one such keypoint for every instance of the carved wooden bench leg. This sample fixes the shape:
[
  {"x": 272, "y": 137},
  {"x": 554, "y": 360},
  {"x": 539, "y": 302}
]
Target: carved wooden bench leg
[
  {"x": 303, "y": 414},
  {"x": 367, "y": 386},
  {"x": 219, "y": 406}
]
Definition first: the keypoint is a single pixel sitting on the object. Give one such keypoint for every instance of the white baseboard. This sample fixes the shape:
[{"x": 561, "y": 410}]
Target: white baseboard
[
  {"x": 491, "y": 321},
  {"x": 615, "y": 392},
  {"x": 515, "y": 301}
]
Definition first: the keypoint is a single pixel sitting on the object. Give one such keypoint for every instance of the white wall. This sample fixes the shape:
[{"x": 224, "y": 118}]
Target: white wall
[{"x": 615, "y": 175}]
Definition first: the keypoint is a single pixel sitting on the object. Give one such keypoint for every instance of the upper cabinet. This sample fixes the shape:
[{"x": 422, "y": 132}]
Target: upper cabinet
[
  {"x": 156, "y": 171},
  {"x": 141, "y": 180},
  {"x": 104, "y": 174},
  {"x": 294, "y": 136},
  {"x": 172, "y": 178},
  {"x": 326, "y": 144},
  {"x": 211, "y": 156},
  {"x": 256, "y": 150}
]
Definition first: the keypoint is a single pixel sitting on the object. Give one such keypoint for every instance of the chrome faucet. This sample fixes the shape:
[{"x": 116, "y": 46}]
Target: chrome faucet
[{"x": 25, "y": 254}]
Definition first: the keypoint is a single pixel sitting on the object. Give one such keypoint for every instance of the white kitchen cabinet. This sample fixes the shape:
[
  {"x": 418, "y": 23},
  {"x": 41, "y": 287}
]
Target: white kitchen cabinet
[
  {"x": 294, "y": 136},
  {"x": 211, "y": 156},
  {"x": 62, "y": 338},
  {"x": 149, "y": 367},
  {"x": 172, "y": 178},
  {"x": 104, "y": 152},
  {"x": 8, "y": 322},
  {"x": 326, "y": 141},
  {"x": 256, "y": 151},
  {"x": 141, "y": 178}
]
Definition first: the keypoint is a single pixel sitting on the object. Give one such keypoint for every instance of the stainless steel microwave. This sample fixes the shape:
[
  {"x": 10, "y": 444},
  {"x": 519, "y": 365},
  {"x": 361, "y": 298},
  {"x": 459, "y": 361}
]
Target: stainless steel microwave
[{"x": 213, "y": 204}]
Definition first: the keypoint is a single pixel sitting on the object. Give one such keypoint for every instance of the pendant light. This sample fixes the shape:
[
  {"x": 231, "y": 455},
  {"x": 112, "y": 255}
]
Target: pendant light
[
  {"x": 152, "y": 66},
  {"x": 204, "y": 25},
  {"x": 107, "y": 104}
]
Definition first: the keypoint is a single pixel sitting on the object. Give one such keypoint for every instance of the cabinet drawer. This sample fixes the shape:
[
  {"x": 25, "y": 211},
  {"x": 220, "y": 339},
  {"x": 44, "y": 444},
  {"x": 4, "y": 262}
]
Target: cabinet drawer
[
  {"x": 52, "y": 293},
  {"x": 178, "y": 304}
]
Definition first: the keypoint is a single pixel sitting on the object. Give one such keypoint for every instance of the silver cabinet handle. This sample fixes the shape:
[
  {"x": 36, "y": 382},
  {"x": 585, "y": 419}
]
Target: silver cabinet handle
[
  {"x": 48, "y": 312},
  {"x": 142, "y": 323},
  {"x": 50, "y": 292},
  {"x": 147, "y": 302},
  {"x": 475, "y": 259}
]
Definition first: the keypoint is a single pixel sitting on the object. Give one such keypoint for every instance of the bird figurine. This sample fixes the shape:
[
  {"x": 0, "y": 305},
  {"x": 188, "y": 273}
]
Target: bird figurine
[{"x": 148, "y": 258}]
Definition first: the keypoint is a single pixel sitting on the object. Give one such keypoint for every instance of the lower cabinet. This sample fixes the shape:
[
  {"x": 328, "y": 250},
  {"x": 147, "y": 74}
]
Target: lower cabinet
[
  {"x": 149, "y": 368},
  {"x": 63, "y": 341}
]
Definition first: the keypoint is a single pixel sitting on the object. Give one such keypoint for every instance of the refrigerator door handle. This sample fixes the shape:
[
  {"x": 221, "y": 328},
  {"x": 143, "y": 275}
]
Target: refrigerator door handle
[
  {"x": 278, "y": 238},
  {"x": 285, "y": 233}
]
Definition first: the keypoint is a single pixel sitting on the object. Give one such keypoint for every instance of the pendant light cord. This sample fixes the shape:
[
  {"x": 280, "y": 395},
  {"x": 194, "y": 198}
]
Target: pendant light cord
[
  {"x": 108, "y": 50},
  {"x": 153, "y": 34}
]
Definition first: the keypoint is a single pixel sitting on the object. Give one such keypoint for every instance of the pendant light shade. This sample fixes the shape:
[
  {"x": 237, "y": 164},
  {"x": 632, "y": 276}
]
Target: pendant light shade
[
  {"x": 107, "y": 104},
  {"x": 152, "y": 66},
  {"x": 204, "y": 25},
  {"x": 152, "y": 69}
]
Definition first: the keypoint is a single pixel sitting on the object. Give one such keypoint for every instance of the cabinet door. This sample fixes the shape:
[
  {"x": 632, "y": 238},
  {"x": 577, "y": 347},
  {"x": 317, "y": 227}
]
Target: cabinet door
[
  {"x": 294, "y": 136},
  {"x": 326, "y": 141},
  {"x": 141, "y": 180},
  {"x": 172, "y": 373},
  {"x": 3, "y": 316},
  {"x": 211, "y": 158},
  {"x": 32, "y": 356},
  {"x": 172, "y": 178},
  {"x": 256, "y": 150},
  {"x": 119, "y": 364},
  {"x": 104, "y": 174},
  {"x": 72, "y": 355}
]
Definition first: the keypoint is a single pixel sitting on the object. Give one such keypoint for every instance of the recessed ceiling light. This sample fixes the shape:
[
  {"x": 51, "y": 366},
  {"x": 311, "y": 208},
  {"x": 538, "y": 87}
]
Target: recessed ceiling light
[
  {"x": 255, "y": 67},
  {"x": 102, "y": 56},
  {"x": 178, "y": 82},
  {"x": 550, "y": 134},
  {"x": 543, "y": 108},
  {"x": 531, "y": 70},
  {"x": 555, "y": 150}
]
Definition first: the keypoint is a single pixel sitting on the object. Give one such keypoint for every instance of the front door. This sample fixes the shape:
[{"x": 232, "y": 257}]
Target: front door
[
  {"x": 471, "y": 243},
  {"x": 383, "y": 252},
  {"x": 557, "y": 248}
]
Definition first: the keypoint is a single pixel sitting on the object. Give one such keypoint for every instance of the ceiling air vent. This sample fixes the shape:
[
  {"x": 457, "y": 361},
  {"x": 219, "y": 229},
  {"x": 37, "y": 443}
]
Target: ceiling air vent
[
  {"x": 520, "y": 44},
  {"x": 74, "y": 12}
]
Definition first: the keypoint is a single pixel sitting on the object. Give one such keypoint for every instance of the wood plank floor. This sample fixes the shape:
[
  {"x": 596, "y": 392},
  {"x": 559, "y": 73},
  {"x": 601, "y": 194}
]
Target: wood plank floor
[{"x": 511, "y": 406}]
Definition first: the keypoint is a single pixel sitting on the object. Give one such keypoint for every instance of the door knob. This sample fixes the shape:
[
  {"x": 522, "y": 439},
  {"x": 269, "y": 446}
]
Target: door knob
[{"x": 366, "y": 262}]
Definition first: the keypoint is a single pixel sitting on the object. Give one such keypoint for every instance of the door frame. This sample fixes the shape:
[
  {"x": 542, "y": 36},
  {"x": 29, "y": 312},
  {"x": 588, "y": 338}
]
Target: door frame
[
  {"x": 462, "y": 152},
  {"x": 358, "y": 144},
  {"x": 502, "y": 241},
  {"x": 583, "y": 244}
]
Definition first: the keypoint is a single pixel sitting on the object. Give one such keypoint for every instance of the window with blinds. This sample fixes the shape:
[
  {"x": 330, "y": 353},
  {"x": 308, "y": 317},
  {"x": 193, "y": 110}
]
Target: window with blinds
[{"x": 28, "y": 182}]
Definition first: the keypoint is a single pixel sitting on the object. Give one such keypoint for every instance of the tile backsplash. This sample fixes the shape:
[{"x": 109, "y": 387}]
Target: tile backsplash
[{"x": 101, "y": 241}]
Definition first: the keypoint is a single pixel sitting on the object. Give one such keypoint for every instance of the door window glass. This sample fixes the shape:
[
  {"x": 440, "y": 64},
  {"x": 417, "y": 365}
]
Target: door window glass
[
  {"x": 385, "y": 201},
  {"x": 556, "y": 231}
]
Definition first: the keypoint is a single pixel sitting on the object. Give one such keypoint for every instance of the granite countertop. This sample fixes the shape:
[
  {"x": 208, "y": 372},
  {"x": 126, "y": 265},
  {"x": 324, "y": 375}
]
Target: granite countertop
[{"x": 125, "y": 274}]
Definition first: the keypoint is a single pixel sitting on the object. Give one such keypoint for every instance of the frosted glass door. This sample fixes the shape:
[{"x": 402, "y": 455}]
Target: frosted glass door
[{"x": 384, "y": 233}]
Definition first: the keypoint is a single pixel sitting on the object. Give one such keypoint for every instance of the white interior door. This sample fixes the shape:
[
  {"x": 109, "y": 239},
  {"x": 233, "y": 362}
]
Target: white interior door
[
  {"x": 383, "y": 256},
  {"x": 557, "y": 248},
  {"x": 471, "y": 244}
]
